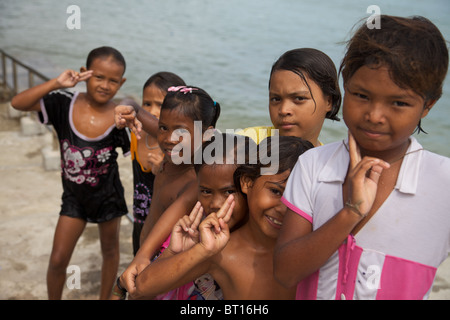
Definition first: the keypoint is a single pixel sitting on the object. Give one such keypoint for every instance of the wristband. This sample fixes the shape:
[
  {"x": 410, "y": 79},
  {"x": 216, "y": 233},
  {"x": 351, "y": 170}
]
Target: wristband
[
  {"x": 355, "y": 208},
  {"x": 119, "y": 286}
]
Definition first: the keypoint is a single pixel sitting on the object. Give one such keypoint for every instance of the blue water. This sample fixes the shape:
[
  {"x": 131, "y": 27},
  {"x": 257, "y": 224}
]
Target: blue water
[{"x": 225, "y": 47}]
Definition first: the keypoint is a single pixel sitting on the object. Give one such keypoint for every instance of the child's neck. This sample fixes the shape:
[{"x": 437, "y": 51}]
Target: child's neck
[
  {"x": 391, "y": 156},
  {"x": 95, "y": 105}
]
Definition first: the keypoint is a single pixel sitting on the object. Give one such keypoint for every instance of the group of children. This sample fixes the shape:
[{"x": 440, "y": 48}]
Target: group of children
[{"x": 363, "y": 218}]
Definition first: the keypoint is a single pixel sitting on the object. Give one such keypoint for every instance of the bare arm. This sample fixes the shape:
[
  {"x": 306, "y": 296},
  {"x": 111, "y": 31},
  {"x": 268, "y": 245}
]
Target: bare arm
[
  {"x": 166, "y": 274},
  {"x": 28, "y": 100},
  {"x": 136, "y": 119},
  {"x": 301, "y": 251},
  {"x": 159, "y": 233}
]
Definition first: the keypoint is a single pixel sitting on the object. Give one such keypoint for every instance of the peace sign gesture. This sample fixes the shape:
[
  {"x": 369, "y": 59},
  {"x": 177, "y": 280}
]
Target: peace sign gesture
[
  {"x": 69, "y": 78},
  {"x": 363, "y": 176},
  {"x": 185, "y": 233}
]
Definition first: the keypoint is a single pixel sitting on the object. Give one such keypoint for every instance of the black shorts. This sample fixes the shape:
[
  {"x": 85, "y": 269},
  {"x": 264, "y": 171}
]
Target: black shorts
[{"x": 95, "y": 209}]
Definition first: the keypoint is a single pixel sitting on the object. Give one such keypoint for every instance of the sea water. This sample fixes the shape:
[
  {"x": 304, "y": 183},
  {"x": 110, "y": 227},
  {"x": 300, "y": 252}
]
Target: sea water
[{"x": 224, "y": 47}]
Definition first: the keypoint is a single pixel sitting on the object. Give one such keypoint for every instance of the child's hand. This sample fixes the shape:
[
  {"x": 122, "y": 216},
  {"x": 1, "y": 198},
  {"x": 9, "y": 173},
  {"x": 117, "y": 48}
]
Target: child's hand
[
  {"x": 69, "y": 78},
  {"x": 364, "y": 175},
  {"x": 125, "y": 116},
  {"x": 128, "y": 277},
  {"x": 185, "y": 232},
  {"x": 155, "y": 159},
  {"x": 226, "y": 210},
  {"x": 214, "y": 234}
]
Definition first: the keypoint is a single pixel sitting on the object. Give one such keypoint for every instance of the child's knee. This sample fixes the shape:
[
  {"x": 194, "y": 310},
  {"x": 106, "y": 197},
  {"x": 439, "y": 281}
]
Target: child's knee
[
  {"x": 59, "y": 261},
  {"x": 110, "y": 250}
]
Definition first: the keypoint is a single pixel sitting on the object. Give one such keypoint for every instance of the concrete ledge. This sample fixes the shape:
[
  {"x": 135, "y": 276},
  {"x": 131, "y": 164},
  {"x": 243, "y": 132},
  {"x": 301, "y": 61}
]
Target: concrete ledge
[
  {"x": 51, "y": 159},
  {"x": 14, "y": 113},
  {"x": 30, "y": 127}
]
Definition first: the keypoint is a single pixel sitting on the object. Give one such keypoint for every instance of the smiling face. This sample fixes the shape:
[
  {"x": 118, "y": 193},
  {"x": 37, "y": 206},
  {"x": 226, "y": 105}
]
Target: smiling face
[
  {"x": 380, "y": 114},
  {"x": 176, "y": 130},
  {"x": 215, "y": 185},
  {"x": 292, "y": 108},
  {"x": 106, "y": 79},
  {"x": 264, "y": 201}
]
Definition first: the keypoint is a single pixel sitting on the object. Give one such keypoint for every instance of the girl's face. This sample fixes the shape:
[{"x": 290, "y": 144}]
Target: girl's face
[
  {"x": 152, "y": 99},
  {"x": 379, "y": 114},
  {"x": 106, "y": 79},
  {"x": 215, "y": 185},
  {"x": 264, "y": 201},
  {"x": 292, "y": 108},
  {"x": 176, "y": 136}
]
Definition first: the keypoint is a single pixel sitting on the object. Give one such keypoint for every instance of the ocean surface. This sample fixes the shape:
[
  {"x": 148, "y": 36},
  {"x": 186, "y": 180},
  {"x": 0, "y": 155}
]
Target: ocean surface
[{"x": 224, "y": 47}]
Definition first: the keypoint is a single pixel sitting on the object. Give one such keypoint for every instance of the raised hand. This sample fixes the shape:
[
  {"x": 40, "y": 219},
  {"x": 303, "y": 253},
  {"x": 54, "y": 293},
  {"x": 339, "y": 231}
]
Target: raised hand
[
  {"x": 226, "y": 210},
  {"x": 214, "y": 234},
  {"x": 125, "y": 116},
  {"x": 69, "y": 78},
  {"x": 363, "y": 177},
  {"x": 185, "y": 232},
  {"x": 155, "y": 159}
]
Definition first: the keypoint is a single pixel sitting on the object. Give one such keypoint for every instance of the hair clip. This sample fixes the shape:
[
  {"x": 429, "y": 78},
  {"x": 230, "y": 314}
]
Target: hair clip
[{"x": 183, "y": 89}]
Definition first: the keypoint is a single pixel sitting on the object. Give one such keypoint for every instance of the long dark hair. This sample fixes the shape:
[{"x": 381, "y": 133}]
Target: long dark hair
[{"x": 318, "y": 67}]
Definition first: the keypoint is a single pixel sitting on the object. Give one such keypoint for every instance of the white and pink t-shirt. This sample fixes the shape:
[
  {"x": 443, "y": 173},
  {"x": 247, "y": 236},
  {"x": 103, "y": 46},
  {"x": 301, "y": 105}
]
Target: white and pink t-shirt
[{"x": 396, "y": 254}]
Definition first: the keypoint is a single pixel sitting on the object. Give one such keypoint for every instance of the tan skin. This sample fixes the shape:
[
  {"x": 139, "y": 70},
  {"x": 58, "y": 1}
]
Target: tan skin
[
  {"x": 215, "y": 185},
  {"x": 241, "y": 263},
  {"x": 292, "y": 108},
  {"x": 152, "y": 157},
  {"x": 175, "y": 189},
  {"x": 380, "y": 117},
  {"x": 93, "y": 114}
]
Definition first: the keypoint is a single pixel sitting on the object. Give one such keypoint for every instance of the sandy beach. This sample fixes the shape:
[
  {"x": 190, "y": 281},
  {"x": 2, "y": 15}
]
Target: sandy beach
[{"x": 29, "y": 204}]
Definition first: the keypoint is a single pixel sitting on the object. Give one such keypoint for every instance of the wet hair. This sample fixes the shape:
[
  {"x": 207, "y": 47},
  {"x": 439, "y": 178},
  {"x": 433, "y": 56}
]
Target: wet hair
[
  {"x": 287, "y": 153},
  {"x": 194, "y": 103},
  {"x": 164, "y": 80},
  {"x": 319, "y": 68},
  {"x": 224, "y": 147},
  {"x": 105, "y": 52},
  {"x": 413, "y": 49}
]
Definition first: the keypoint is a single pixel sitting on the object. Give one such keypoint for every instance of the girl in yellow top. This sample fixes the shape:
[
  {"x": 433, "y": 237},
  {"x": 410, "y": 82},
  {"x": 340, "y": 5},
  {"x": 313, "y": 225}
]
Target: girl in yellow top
[{"x": 303, "y": 92}]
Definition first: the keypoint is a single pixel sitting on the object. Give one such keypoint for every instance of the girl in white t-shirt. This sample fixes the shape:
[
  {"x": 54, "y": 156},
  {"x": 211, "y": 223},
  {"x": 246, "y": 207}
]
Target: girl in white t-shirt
[{"x": 368, "y": 217}]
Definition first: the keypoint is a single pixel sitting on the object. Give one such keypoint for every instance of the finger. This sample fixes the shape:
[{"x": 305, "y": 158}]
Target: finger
[
  {"x": 138, "y": 128},
  {"x": 223, "y": 225},
  {"x": 229, "y": 213},
  {"x": 225, "y": 207},
  {"x": 197, "y": 219},
  {"x": 353, "y": 150},
  {"x": 196, "y": 215},
  {"x": 365, "y": 167},
  {"x": 376, "y": 170},
  {"x": 210, "y": 223},
  {"x": 123, "y": 109},
  {"x": 85, "y": 75},
  {"x": 194, "y": 211},
  {"x": 128, "y": 116},
  {"x": 184, "y": 223}
]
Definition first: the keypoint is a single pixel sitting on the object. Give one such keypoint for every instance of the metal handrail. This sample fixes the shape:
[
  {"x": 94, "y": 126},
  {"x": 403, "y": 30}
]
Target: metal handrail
[
  {"x": 13, "y": 90},
  {"x": 31, "y": 73}
]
